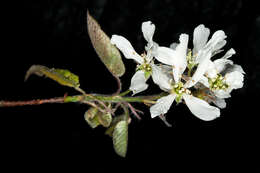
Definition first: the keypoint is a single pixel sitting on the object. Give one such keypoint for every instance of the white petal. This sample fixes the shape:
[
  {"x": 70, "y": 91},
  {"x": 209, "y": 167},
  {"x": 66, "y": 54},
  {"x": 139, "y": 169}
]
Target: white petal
[
  {"x": 216, "y": 52},
  {"x": 238, "y": 68},
  {"x": 201, "y": 69},
  {"x": 229, "y": 53},
  {"x": 204, "y": 80},
  {"x": 221, "y": 63},
  {"x": 138, "y": 82},
  {"x": 174, "y": 45},
  {"x": 161, "y": 78},
  {"x": 148, "y": 31},
  {"x": 177, "y": 58},
  {"x": 126, "y": 48},
  {"x": 162, "y": 105},
  {"x": 234, "y": 79},
  {"x": 218, "y": 46},
  {"x": 151, "y": 52},
  {"x": 165, "y": 55},
  {"x": 181, "y": 53},
  {"x": 223, "y": 93},
  {"x": 220, "y": 103},
  {"x": 212, "y": 71},
  {"x": 166, "y": 68},
  {"x": 200, "y": 38},
  {"x": 176, "y": 74},
  {"x": 201, "y": 108},
  {"x": 217, "y": 41},
  {"x": 233, "y": 68}
]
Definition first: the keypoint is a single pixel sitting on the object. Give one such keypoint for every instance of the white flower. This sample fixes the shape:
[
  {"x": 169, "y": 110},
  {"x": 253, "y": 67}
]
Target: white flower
[
  {"x": 179, "y": 91},
  {"x": 216, "y": 76},
  {"x": 217, "y": 66},
  {"x": 145, "y": 61},
  {"x": 224, "y": 76},
  {"x": 201, "y": 43}
]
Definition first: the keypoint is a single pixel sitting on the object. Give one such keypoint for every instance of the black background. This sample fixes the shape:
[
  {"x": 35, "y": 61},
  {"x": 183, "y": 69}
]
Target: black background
[{"x": 53, "y": 33}]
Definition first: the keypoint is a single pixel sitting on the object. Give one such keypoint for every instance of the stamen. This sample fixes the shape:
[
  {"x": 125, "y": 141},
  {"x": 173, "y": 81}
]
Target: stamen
[{"x": 217, "y": 83}]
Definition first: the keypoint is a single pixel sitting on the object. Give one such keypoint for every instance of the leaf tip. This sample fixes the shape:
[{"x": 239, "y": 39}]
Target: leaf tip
[{"x": 34, "y": 69}]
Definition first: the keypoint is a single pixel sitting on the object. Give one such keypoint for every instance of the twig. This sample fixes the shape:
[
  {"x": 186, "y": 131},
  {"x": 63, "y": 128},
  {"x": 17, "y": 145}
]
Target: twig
[
  {"x": 108, "y": 110},
  {"x": 116, "y": 107},
  {"x": 165, "y": 121},
  {"x": 31, "y": 102},
  {"x": 134, "y": 111},
  {"x": 82, "y": 99},
  {"x": 119, "y": 86}
]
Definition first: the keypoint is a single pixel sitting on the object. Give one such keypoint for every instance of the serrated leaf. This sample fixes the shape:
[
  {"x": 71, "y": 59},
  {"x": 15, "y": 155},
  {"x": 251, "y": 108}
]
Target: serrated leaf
[
  {"x": 91, "y": 118},
  {"x": 107, "y": 52},
  {"x": 63, "y": 77},
  {"x": 120, "y": 138}
]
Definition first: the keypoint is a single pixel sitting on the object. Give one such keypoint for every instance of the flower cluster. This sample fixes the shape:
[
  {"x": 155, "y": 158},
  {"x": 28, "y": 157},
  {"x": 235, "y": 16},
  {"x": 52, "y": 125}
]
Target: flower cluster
[{"x": 190, "y": 76}]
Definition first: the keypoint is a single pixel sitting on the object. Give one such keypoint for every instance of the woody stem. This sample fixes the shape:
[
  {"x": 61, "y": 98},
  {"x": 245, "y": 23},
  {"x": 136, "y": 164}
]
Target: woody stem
[{"x": 83, "y": 99}]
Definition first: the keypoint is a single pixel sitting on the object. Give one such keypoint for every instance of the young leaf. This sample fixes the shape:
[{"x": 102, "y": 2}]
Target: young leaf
[
  {"x": 105, "y": 119},
  {"x": 63, "y": 77},
  {"x": 112, "y": 126},
  {"x": 120, "y": 138},
  {"x": 107, "y": 52},
  {"x": 91, "y": 118}
]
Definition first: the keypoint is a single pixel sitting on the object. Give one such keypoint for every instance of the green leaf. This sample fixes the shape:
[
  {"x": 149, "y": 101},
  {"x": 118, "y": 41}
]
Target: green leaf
[
  {"x": 94, "y": 118},
  {"x": 105, "y": 119},
  {"x": 74, "y": 79},
  {"x": 110, "y": 130},
  {"x": 107, "y": 52},
  {"x": 63, "y": 77},
  {"x": 112, "y": 126},
  {"x": 120, "y": 138},
  {"x": 91, "y": 118}
]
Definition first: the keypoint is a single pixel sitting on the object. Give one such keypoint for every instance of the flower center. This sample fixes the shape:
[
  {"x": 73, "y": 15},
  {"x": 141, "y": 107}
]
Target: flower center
[
  {"x": 145, "y": 67},
  {"x": 179, "y": 90},
  {"x": 217, "y": 83}
]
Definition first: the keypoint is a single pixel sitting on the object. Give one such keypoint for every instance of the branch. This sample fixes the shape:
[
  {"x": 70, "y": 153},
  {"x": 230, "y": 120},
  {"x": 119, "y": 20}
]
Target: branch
[
  {"x": 84, "y": 99},
  {"x": 31, "y": 102}
]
